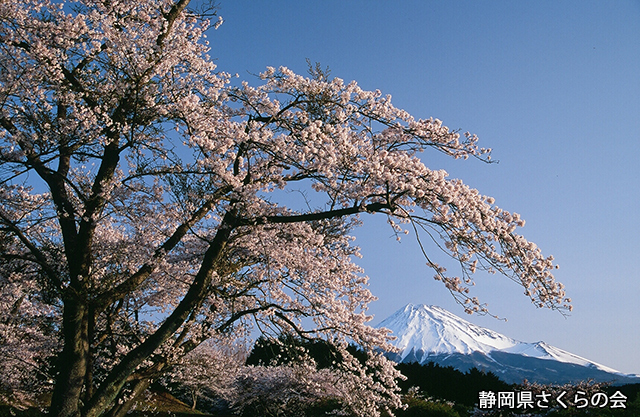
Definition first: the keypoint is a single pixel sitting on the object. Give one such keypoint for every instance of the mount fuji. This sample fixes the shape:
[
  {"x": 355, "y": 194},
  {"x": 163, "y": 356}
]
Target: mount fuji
[{"x": 432, "y": 334}]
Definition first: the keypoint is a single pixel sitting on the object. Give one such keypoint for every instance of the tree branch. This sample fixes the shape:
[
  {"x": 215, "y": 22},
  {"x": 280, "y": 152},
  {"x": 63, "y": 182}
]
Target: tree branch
[
  {"x": 113, "y": 383},
  {"x": 135, "y": 280},
  {"x": 171, "y": 17},
  {"x": 40, "y": 258},
  {"x": 320, "y": 215}
]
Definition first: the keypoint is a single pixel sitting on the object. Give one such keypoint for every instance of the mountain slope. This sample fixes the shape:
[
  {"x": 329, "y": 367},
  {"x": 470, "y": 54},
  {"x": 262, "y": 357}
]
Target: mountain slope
[{"x": 432, "y": 334}]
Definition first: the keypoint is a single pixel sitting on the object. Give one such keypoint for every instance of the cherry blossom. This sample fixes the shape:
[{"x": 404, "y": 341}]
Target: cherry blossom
[{"x": 142, "y": 209}]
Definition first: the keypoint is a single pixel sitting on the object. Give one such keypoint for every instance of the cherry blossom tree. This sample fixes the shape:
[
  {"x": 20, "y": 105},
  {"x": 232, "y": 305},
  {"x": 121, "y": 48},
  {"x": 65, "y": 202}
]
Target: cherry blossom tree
[
  {"x": 27, "y": 335},
  {"x": 141, "y": 210},
  {"x": 290, "y": 376},
  {"x": 208, "y": 371},
  {"x": 291, "y": 390}
]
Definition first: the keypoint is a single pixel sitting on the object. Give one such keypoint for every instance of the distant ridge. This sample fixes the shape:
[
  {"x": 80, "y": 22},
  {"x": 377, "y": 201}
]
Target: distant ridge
[{"x": 432, "y": 334}]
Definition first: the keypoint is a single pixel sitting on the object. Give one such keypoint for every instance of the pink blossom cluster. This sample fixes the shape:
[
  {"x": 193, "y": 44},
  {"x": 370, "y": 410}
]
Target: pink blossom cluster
[{"x": 339, "y": 150}]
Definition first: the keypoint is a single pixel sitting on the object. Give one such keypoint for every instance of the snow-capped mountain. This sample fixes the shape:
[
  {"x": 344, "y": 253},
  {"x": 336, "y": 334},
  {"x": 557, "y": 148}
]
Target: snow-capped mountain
[{"x": 432, "y": 334}]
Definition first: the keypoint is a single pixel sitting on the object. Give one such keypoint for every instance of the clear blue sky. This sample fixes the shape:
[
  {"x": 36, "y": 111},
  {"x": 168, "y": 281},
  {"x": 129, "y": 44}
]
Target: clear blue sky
[{"x": 553, "y": 87}]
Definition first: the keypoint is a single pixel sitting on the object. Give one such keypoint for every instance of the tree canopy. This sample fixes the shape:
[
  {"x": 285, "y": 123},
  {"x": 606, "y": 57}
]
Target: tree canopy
[{"x": 141, "y": 212}]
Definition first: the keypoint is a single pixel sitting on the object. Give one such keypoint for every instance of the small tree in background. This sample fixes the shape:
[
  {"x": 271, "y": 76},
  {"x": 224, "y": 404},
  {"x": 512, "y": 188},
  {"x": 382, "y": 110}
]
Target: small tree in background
[
  {"x": 140, "y": 212},
  {"x": 209, "y": 371}
]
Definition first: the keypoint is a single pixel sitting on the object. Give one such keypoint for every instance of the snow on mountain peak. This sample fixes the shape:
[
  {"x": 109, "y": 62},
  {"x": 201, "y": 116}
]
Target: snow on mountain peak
[
  {"x": 434, "y": 330},
  {"x": 422, "y": 330}
]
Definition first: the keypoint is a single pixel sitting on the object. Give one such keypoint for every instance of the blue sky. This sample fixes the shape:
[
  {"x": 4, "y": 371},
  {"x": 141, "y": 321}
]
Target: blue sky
[{"x": 553, "y": 87}]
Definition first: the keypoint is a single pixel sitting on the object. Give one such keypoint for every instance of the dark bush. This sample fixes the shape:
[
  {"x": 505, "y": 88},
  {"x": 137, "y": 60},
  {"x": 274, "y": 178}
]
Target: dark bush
[{"x": 420, "y": 407}]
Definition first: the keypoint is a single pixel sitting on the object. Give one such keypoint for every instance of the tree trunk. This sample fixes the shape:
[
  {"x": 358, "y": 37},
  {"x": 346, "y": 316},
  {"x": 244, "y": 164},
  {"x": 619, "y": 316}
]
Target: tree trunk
[
  {"x": 72, "y": 362},
  {"x": 194, "y": 398}
]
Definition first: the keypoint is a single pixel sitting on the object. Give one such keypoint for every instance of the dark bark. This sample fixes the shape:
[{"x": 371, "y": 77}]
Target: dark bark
[
  {"x": 72, "y": 362},
  {"x": 74, "y": 359},
  {"x": 171, "y": 17},
  {"x": 320, "y": 215}
]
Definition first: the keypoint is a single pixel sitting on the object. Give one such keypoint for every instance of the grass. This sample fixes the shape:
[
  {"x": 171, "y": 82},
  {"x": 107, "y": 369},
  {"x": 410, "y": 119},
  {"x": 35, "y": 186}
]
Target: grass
[{"x": 157, "y": 404}]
